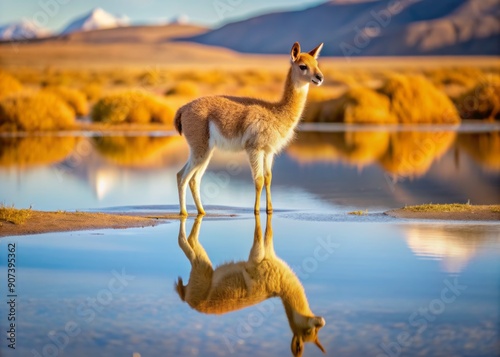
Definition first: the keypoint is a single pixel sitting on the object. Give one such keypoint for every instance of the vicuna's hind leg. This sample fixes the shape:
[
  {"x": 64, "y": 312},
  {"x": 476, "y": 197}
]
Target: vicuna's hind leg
[
  {"x": 257, "y": 164},
  {"x": 185, "y": 175},
  {"x": 194, "y": 183}
]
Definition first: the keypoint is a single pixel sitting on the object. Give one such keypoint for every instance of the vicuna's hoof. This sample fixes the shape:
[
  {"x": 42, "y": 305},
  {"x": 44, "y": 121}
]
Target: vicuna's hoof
[{"x": 183, "y": 213}]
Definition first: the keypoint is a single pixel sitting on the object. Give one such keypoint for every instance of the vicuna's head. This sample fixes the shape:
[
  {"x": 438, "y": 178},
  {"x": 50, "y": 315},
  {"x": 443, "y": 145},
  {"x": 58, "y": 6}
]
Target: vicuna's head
[
  {"x": 305, "y": 329},
  {"x": 305, "y": 65}
]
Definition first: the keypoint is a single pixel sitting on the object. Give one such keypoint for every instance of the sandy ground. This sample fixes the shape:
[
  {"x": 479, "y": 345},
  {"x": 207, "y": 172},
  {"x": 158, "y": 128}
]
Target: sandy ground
[
  {"x": 477, "y": 213},
  {"x": 44, "y": 222}
]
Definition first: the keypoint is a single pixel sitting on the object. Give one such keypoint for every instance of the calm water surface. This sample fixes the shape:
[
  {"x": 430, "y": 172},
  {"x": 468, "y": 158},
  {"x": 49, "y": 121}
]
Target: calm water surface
[{"x": 385, "y": 287}]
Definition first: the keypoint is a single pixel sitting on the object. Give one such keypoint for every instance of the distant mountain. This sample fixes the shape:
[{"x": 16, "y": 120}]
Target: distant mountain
[
  {"x": 95, "y": 20},
  {"x": 370, "y": 28},
  {"x": 22, "y": 30}
]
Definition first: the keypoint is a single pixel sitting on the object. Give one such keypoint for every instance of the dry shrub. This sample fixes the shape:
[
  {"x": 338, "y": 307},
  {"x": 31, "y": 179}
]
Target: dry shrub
[
  {"x": 9, "y": 84},
  {"x": 74, "y": 98},
  {"x": 35, "y": 111},
  {"x": 461, "y": 76},
  {"x": 184, "y": 88},
  {"x": 361, "y": 105},
  {"x": 411, "y": 154},
  {"x": 416, "y": 100},
  {"x": 482, "y": 101},
  {"x": 137, "y": 150},
  {"x": 484, "y": 148},
  {"x": 35, "y": 150},
  {"x": 132, "y": 106},
  {"x": 92, "y": 91}
]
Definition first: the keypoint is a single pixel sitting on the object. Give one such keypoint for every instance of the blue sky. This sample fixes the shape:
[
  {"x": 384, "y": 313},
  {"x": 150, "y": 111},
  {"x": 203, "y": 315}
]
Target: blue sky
[{"x": 58, "y": 13}]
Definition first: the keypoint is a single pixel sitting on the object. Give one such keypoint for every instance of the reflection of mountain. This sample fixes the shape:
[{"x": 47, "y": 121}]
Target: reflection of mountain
[
  {"x": 454, "y": 246},
  {"x": 406, "y": 154},
  {"x": 35, "y": 150},
  {"x": 483, "y": 147},
  {"x": 141, "y": 150}
]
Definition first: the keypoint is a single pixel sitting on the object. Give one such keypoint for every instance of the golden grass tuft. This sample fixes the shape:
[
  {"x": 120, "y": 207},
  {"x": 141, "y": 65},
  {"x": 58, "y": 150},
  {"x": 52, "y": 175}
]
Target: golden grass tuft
[
  {"x": 35, "y": 111},
  {"x": 92, "y": 91},
  {"x": 358, "y": 213},
  {"x": 448, "y": 207},
  {"x": 414, "y": 99},
  {"x": 74, "y": 98},
  {"x": 363, "y": 105},
  {"x": 14, "y": 215},
  {"x": 482, "y": 101},
  {"x": 132, "y": 106},
  {"x": 8, "y": 84},
  {"x": 460, "y": 76},
  {"x": 35, "y": 150},
  {"x": 184, "y": 88}
]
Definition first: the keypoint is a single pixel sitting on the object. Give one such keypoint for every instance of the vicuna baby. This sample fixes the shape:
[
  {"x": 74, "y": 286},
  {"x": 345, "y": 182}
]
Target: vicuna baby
[
  {"x": 259, "y": 127},
  {"x": 236, "y": 285}
]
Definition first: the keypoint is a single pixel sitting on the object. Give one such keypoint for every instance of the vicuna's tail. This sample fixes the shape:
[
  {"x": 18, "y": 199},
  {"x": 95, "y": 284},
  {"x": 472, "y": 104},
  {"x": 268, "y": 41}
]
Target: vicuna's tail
[
  {"x": 177, "y": 121},
  {"x": 181, "y": 289}
]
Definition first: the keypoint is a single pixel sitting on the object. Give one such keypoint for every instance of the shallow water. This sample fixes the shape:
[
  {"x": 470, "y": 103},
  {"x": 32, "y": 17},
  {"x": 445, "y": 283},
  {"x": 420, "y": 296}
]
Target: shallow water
[{"x": 384, "y": 286}]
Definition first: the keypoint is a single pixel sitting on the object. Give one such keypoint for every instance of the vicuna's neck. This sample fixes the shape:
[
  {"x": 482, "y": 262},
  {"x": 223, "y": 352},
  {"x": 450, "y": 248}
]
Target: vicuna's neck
[
  {"x": 292, "y": 103},
  {"x": 294, "y": 298}
]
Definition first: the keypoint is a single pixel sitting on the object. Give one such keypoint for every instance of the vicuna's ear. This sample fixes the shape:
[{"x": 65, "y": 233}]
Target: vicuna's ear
[
  {"x": 320, "y": 346},
  {"x": 315, "y": 52},
  {"x": 295, "y": 52},
  {"x": 297, "y": 346}
]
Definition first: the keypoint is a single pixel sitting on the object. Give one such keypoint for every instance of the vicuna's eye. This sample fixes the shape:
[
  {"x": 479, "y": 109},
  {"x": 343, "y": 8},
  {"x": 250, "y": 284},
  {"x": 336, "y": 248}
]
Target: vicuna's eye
[{"x": 303, "y": 67}]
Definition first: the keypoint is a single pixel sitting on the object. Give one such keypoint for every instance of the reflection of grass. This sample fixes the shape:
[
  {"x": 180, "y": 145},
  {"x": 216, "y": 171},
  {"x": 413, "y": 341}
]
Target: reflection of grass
[
  {"x": 410, "y": 154},
  {"x": 357, "y": 148},
  {"x": 35, "y": 111},
  {"x": 36, "y": 150},
  {"x": 132, "y": 106},
  {"x": 136, "y": 150},
  {"x": 483, "y": 147},
  {"x": 14, "y": 215},
  {"x": 448, "y": 207}
]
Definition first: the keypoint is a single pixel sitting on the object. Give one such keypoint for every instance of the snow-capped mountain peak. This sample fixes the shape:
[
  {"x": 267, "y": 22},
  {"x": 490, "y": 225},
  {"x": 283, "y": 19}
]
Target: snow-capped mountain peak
[
  {"x": 22, "y": 30},
  {"x": 95, "y": 20}
]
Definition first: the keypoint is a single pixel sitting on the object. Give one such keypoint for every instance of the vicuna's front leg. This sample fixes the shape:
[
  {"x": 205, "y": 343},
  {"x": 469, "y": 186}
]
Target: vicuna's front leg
[
  {"x": 201, "y": 267},
  {"x": 268, "y": 176},
  {"x": 256, "y": 159}
]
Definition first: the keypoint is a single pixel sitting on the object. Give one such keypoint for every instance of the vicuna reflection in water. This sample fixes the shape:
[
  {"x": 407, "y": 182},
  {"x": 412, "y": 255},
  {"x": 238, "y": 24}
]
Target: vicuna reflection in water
[{"x": 236, "y": 285}]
